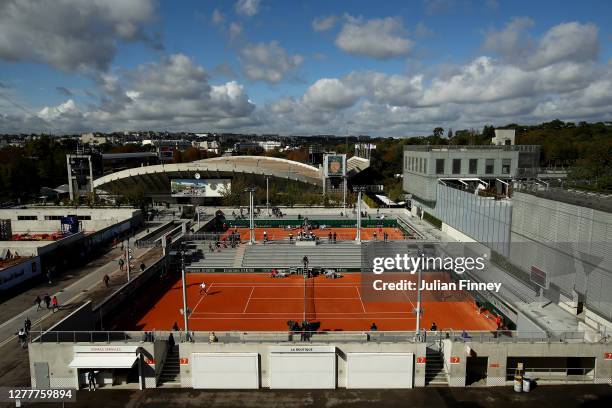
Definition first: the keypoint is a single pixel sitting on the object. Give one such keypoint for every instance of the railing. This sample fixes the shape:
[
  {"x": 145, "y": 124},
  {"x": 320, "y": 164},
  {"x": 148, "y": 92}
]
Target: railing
[
  {"x": 558, "y": 374},
  {"x": 428, "y": 148},
  {"x": 306, "y": 336}
]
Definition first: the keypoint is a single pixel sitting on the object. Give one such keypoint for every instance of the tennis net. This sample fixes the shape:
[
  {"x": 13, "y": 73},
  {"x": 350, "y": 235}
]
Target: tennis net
[{"x": 309, "y": 300}]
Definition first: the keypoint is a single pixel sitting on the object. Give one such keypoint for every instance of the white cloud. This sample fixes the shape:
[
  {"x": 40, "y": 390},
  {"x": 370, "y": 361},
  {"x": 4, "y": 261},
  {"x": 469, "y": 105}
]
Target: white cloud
[
  {"x": 565, "y": 42},
  {"x": 217, "y": 17},
  {"x": 247, "y": 7},
  {"x": 66, "y": 109},
  {"x": 267, "y": 61},
  {"x": 330, "y": 93},
  {"x": 511, "y": 42},
  {"x": 235, "y": 30},
  {"x": 377, "y": 38},
  {"x": 323, "y": 23},
  {"x": 72, "y": 34}
]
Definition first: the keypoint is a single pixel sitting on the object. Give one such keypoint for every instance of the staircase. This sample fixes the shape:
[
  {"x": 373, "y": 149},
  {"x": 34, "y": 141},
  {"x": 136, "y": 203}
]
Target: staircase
[
  {"x": 170, "y": 375},
  {"x": 435, "y": 373},
  {"x": 239, "y": 255}
]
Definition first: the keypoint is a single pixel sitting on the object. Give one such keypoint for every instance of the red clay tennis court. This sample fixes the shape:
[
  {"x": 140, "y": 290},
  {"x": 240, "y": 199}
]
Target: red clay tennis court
[
  {"x": 258, "y": 302},
  {"x": 343, "y": 234}
]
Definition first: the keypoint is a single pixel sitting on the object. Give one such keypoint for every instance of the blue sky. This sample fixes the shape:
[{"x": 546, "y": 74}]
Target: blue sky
[{"x": 382, "y": 68}]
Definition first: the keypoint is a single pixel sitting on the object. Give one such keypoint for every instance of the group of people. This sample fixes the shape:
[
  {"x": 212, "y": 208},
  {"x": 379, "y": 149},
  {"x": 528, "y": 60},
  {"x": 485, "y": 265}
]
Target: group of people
[
  {"x": 50, "y": 302},
  {"x": 332, "y": 237},
  {"x": 385, "y": 236}
]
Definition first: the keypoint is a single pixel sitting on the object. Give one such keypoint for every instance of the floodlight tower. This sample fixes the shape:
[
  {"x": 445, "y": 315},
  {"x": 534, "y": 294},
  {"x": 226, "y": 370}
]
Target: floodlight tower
[
  {"x": 251, "y": 190},
  {"x": 359, "y": 190}
]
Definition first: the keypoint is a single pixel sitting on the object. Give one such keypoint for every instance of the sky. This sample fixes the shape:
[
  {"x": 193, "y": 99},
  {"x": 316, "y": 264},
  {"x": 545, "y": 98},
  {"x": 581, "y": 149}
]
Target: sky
[{"x": 382, "y": 68}]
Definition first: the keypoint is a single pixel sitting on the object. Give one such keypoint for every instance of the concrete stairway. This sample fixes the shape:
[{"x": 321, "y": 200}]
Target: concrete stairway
[
  {"x": 170, "y": 375},
  {"x": 435, "y": 373},
  {"x": 340, "y": 255},
  {"x": 239, "y": 255}
]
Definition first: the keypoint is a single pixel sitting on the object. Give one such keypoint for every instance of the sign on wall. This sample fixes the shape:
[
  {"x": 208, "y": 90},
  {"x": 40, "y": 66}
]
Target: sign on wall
[
  {"x": 334, "y": 165},
  {"x": 200, "y": 187}
]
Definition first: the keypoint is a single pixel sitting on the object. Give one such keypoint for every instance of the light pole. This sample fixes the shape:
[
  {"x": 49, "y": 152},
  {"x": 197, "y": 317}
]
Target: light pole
[
  {"x": 418, "y": 305},
  {"x": 128, "y": 257},
  {"x": 185, "y": 310},
  {"x": 359, "y": 190},
  {"x": 251, "y": 190},
  {"x": 267, "y": 196}
]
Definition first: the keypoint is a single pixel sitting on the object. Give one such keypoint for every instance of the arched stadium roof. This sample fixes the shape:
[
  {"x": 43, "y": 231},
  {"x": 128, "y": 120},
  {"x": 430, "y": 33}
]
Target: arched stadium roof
[{"x": 156, "y": 179}]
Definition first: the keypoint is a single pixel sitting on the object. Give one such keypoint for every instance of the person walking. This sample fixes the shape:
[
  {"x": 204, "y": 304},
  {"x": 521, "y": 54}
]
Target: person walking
[
  {"x": 47, "y": 300},
  {"x": 23, "y": 338},
  {"x": 54, "y": 304},
  {"x": 38, "y": 301},
  {"x": 121, "y": 264},
  {"x": 106, "y": 280},
  {"x": 142, "y": 267},
  {"x": 27, "y": 325},
  {"x": 91, "y": 380}
]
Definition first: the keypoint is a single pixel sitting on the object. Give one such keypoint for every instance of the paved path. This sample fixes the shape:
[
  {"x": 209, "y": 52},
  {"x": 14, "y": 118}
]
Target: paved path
[{"x": 70, "y": 285}]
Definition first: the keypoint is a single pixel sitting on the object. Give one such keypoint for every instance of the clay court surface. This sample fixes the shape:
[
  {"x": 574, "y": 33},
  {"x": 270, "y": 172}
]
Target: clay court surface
[
  {"x": 257, "y": 302},
  {"x": 343, "y": 234}
]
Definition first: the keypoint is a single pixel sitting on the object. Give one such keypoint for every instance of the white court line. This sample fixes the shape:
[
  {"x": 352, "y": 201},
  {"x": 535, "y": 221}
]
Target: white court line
[
  {"x": 201, "y": 298},
  {"x": 271, "y": 285},
  {"x": 248, "y": 300},
  {"x": 361, "y": 300},
  {"x": 284, "y": 313},
  {"x": 300, "y": 298},
  {"x": 299, "y": 313}
]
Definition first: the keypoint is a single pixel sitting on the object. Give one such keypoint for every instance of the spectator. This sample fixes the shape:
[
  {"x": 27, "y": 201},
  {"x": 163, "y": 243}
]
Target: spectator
[
  {"x": 464, "y": 335},
  {"x": 212, "y": 338},
  {"x": 55, "y": 304},
  {"x": 433, "y": 327},
  {"x": 335, "y": 236},
  {"x": 171, "y": 342},
  {"x": 23, "y": 338},
  {"x": 175, "y": 327},
  {"x": 38, "y": 301},
  {"x": 373, "y": 327},
  {"x": 329, "y": 237},
  {"x": 91, "y": 380}
]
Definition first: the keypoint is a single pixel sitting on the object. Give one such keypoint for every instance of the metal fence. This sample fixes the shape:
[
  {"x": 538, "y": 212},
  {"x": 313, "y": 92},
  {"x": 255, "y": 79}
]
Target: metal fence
[
  {"x": 309, "y": 336},
  {"x": 557, "y": 374}
]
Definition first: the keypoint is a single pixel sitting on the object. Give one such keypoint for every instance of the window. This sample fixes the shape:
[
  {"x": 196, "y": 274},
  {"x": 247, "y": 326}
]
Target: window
[
  {"x": 456, "y": 166},
  {"x": 473, "y": 166},
  {"x": 506, "y": 166},
  {"x": 439, "y": 166},
  {"x": 27, "y": 217},
  {"x": 53, "y": 217},
  {"x": 490, "y": 166}
]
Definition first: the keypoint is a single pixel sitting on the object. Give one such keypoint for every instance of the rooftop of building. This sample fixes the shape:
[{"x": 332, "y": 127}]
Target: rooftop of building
[
  {"x": 430, "y": 148},
  {"x": 595, "y": 201}
]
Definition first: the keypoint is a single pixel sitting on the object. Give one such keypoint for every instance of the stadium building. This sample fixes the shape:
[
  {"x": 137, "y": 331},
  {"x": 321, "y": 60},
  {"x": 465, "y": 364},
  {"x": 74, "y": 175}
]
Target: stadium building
[{"x": 251, "y": 299}]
